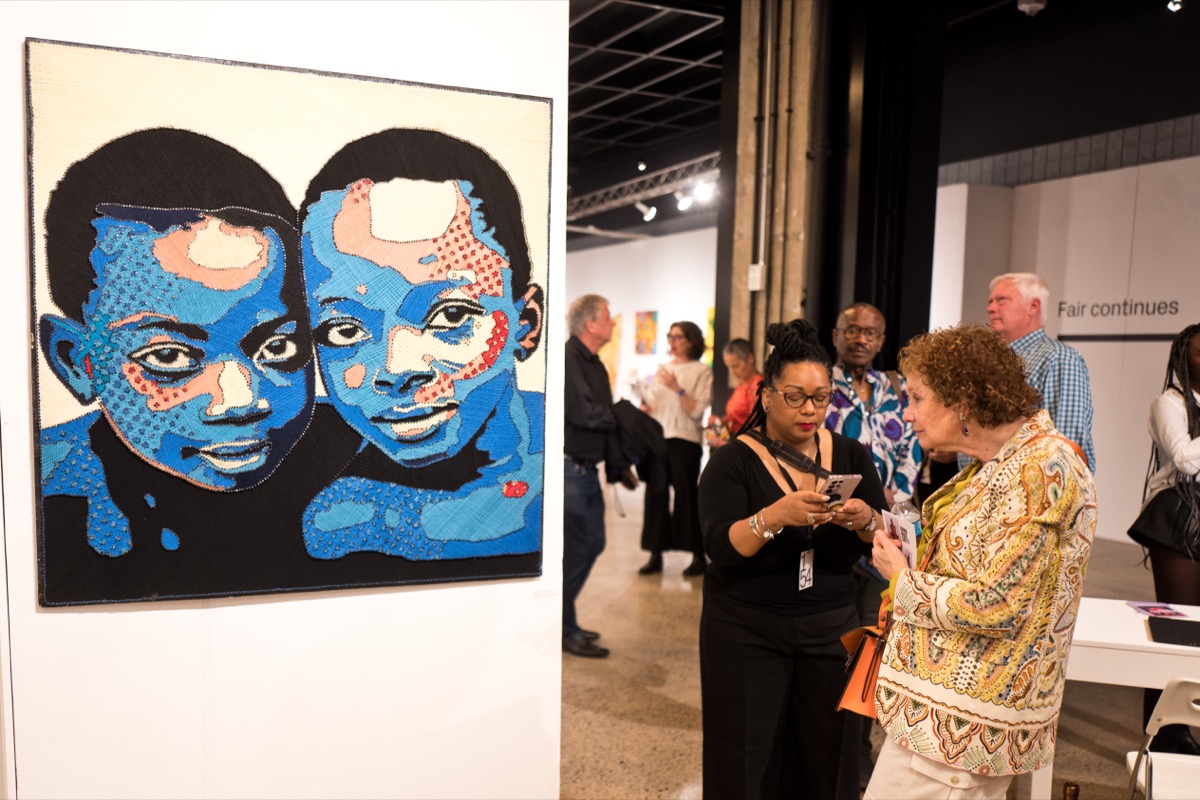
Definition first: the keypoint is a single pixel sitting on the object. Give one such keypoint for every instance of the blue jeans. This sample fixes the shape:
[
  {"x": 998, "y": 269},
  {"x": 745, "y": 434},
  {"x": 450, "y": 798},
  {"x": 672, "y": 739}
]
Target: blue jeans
[{"x": 583, "y": 534}]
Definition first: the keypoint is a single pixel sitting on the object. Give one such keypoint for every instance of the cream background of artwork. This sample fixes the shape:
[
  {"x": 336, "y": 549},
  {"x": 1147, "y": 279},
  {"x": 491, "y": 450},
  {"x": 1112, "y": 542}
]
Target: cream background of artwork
[{"x": 84, "y": 97}]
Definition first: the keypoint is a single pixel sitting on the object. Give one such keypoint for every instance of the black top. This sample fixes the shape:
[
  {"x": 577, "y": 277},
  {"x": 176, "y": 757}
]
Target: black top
[
  {"x": 588, "y": 406},
  {"x": 735, "y": 484}
]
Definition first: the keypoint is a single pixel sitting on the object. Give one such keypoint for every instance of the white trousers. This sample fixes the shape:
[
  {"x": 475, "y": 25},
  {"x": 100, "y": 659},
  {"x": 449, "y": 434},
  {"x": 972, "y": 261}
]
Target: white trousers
[{"x": 901, "y": 774}]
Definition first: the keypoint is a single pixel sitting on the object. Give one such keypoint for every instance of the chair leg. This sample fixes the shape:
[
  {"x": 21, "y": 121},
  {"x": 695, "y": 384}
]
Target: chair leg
[{"x": 1143, "y": 755}]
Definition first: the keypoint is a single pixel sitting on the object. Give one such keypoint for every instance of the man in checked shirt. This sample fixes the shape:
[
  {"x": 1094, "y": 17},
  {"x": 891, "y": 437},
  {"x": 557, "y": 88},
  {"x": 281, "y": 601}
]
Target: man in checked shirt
[{"x": 1057, "y": 371}]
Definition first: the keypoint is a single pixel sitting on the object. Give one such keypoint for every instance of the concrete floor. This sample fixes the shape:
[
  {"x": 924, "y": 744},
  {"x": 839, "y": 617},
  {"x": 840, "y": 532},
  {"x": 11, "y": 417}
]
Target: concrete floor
[{"x": 631, "y": 722}]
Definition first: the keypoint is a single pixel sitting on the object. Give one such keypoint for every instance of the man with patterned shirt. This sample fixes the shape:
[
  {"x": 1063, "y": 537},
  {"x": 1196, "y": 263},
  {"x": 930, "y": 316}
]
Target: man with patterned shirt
[
  {"x": 868, "y": 405},
  {"x": 1057, "y": 371}
]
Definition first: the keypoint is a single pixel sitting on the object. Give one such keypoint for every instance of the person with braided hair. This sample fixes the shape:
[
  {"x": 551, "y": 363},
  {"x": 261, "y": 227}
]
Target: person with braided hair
[
  {"x": 1169, "y": 523},
  {"x": 780, "y": 590}
]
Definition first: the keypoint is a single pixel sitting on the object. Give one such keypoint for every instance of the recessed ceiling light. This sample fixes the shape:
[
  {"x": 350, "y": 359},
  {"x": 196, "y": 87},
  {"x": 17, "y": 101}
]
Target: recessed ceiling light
[{"x": 641, "y": 166}]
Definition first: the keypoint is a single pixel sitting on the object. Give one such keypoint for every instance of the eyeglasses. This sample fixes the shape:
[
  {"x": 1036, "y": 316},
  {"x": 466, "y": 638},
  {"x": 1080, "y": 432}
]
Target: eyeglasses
[
  {"x": 853, "y": 332},
  {"x": 798, "y": 399},
  {"x": 674, "y": 337}
]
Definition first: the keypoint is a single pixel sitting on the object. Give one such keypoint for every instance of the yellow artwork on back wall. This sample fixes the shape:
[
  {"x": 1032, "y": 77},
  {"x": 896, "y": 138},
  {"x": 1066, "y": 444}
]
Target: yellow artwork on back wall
[
  {"x": 645, "y": 333},
  {"x": 710, "y": 337},
  {"x": 610, "y": 353}
]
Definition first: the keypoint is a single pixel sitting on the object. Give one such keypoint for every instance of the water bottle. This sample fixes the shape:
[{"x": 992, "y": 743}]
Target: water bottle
[{"x": 907, "y": 511}]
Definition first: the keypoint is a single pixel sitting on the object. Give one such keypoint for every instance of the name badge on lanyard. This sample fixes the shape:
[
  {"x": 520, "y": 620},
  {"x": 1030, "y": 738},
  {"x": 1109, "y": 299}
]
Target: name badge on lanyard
[{"x": 806, "y": 570}]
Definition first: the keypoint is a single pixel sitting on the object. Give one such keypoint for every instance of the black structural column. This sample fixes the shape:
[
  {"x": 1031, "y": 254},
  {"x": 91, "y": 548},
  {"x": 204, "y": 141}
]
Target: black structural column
[{"x": 877, "y": 118}]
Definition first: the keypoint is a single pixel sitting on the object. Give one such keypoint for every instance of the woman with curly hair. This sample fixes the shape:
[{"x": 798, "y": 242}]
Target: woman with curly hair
[
  {"x": 1169, "y": 524},
  {"x": 677, "y": 398},
  {"x": 973, "y": 671},
  {"x": 780, "y": 589}
]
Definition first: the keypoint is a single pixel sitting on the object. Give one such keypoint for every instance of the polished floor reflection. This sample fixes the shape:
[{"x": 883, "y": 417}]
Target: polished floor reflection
[{"x": 631, "y": 722}]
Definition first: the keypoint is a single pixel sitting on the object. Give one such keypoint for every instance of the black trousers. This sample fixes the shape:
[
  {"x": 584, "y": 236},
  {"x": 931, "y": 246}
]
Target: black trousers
[
  {"x": 679, "y": 527},
  {"x": 769, "y": 687}
]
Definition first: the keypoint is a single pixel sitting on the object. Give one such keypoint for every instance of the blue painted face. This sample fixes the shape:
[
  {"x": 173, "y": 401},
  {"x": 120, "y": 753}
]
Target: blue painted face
[
  {"x": 413, "y": 315},
  {"x": 197, "y": 360}
]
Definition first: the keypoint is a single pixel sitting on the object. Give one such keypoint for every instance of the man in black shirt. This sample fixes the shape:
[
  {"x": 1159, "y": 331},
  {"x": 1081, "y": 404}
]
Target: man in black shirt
[{"x": 589, "y": 422}]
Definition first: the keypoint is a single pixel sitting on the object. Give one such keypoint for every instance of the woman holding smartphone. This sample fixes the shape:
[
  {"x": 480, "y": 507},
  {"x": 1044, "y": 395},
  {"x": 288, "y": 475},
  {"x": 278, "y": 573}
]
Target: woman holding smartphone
[{"x": 779, "y": 591}]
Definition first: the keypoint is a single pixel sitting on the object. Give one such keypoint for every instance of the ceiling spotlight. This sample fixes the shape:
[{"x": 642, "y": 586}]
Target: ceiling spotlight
[
  {"x": 703, "y": 191},
  {"x": 1031, "y": 7},
  {"x": 641, "y": 166},
  {"x": 683, "y": 201},
  {"x": 648, "y": 212},
  {"x": 1175, "y": 5}
]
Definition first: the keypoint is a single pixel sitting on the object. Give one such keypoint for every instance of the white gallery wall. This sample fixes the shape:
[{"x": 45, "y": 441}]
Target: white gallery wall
[
  {"x": 674, "y": 275},
  {"x": 440, "y": 691},
  {"x": 1119, "y": 252}
]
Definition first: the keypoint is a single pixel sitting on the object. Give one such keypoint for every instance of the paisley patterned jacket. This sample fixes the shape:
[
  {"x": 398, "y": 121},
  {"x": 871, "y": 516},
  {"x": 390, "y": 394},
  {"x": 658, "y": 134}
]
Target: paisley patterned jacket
[{"x": 974, "y": 667}]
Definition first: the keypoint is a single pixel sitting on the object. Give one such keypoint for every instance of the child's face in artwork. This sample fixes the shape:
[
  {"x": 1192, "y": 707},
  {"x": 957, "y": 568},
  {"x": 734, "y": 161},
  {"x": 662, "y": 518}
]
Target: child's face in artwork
[
  {"x": 199, "y": 364},
  {"x": 412, "y": 313}
]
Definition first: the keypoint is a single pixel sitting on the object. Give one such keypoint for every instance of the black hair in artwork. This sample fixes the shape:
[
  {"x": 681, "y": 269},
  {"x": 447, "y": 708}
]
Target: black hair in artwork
[
  {"x": 425, "y": 155},
  {"x": 157, "y": 168}
]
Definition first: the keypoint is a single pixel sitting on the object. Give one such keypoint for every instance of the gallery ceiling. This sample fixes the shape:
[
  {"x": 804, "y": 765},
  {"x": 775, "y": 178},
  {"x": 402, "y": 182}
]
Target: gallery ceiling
[
  {"x": 644, "y": 89},
  {"x": 645, "y": 82}
]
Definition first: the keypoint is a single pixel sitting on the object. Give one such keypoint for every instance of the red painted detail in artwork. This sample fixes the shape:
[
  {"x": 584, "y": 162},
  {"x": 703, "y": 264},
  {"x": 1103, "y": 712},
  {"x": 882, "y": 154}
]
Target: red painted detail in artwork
[{"x": 515, "y": 488}]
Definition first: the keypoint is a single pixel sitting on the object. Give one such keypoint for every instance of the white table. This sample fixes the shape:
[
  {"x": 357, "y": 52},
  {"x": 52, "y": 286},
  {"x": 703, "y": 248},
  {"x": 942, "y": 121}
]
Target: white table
[{"x": 1112, "y": 645}]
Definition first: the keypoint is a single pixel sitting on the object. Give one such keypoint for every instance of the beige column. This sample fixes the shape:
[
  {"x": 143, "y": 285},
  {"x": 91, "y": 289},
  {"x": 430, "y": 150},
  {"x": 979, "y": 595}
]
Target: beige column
[{"x": 782, "y": 77}]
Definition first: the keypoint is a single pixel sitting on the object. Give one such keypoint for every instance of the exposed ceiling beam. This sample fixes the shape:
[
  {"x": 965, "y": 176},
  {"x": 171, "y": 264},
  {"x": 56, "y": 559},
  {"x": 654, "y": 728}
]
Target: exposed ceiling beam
[{"x": 654, "y": 184}]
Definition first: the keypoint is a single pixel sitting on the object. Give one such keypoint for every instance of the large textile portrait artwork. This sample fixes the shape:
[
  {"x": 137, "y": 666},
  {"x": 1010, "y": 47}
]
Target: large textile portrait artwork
[{"x": 287, "y": 328}]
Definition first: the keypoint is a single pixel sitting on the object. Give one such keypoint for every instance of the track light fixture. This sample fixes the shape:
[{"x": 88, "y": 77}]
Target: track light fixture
[
  {"x": 683, "y": 201},
  {"x": 648, "y": 212},
  {"x": 703, "y": 191}
]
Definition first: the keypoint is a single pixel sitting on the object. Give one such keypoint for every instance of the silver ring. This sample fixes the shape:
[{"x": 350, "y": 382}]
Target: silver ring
[{"x": 810, "y": 518}]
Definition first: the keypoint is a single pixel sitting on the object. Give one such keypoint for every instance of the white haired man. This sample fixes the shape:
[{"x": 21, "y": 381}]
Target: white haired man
[{"x": 1058, "y": 372}]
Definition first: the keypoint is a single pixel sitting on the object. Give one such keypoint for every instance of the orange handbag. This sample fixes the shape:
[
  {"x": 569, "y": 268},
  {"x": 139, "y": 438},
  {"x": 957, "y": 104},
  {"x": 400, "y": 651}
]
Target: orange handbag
[{"x": 865, "y": 646}]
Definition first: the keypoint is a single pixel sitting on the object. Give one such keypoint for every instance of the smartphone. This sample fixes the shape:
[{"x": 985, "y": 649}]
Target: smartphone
[{"x": 839, "y": 488}]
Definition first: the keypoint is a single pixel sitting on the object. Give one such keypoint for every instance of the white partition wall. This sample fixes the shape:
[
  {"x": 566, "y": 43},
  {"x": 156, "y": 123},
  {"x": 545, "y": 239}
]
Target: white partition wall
[
  {"x": 1118, "y": 250},
  {"x": 672, "y": 275},
  {"x": 441, "y": 691}
]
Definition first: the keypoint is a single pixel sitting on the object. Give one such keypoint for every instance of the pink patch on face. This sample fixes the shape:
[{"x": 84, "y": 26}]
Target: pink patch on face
[
  {"x": 173, "y": 252},
  {"x": 495, "y": 345},
  {"x": 353, "y": 376},
  {"x": 159, "y": 398},
  {"x": 440, "y": 389},
  {"x": 443, "y": 387},
  {"x": 456, "y": 250}
]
